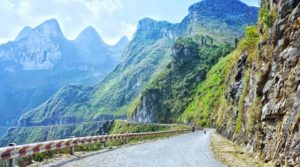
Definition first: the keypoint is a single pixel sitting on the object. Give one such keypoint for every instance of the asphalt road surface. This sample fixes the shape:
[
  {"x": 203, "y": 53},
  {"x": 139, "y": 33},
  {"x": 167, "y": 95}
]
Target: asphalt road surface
[{"x": 188, "y": 150}]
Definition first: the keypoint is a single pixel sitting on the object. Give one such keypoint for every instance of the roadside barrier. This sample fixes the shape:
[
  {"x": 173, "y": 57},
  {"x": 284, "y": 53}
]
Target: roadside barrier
[{"x": 14, "y": 151}]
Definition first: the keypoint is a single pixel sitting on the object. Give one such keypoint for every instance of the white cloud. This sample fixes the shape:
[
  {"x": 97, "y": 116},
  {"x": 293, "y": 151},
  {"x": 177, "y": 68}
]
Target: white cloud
[
  {"x": 104, "y": 6},
  {"x": 124, "y": 28},
  {"x": 129, "y": 29}
]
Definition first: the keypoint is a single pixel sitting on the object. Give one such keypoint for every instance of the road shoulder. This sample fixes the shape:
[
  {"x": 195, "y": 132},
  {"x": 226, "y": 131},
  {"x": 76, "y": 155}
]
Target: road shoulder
[{"x": 232, "y": 154}]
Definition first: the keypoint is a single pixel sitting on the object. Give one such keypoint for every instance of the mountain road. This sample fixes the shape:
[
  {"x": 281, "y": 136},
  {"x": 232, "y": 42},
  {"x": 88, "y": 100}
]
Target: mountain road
[{"x": 187, "y": 150}]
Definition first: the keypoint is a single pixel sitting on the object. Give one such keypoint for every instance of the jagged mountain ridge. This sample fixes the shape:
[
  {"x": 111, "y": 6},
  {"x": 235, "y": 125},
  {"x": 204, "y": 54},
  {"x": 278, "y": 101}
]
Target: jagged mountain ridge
[
  {"x": 45, "y": 48},
  {"x": 41, "y": 60}
]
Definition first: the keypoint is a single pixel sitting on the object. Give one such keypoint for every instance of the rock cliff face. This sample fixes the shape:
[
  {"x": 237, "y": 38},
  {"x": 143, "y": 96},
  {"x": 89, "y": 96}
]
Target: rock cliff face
[{"x": 262, "y": 107}]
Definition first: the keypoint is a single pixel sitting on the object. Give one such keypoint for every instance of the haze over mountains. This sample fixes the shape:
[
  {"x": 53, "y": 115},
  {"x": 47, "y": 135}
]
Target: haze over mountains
[
  {"x": 41, "y": 60},
  {"x": 146, "y": 57}
]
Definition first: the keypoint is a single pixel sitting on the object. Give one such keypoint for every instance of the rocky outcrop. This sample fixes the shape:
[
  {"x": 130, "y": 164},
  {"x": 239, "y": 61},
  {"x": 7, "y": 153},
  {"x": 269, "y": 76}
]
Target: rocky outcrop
[
  {"x": 236, "y": 87},
  {"x": 150, "y": 107},
  {"x": 264, "y": 111}
]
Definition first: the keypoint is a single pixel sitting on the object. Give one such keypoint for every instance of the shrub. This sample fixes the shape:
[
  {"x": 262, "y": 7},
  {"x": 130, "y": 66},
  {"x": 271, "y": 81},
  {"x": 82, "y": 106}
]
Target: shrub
[
  {"x": 268, "y": 17},
  {"x": 250, "y": 42}
]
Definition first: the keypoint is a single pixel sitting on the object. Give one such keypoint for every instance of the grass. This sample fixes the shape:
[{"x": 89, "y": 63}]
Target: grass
[
  {"x": 250, "y": 42},
  {"x": 121, "y": 127},
  {"x": 266, "y": 16},
  {"x": 253, "y": 115},
  {"x": 209, "y": 93}
]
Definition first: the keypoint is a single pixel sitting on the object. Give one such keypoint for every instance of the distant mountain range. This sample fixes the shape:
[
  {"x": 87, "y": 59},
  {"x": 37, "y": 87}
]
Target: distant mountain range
[
  {"x": 41, "y": 60},
  {"x": 145, "y": 58}
]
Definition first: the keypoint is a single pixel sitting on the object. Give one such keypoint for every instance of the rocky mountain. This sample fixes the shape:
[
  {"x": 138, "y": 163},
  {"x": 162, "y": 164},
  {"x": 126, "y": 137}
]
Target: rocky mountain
[
  {"x": 222, "y": 20},
  {"x": 109, "y": 97},
  {"x": 167, "y": 95},
  {"x": 146, "y": 56},
  {"x": 256, "y": 104},
  {"x": 41, "y": 60}
]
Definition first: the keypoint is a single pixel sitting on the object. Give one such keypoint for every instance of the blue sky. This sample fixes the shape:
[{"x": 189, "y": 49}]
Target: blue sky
[{"x": 111, "y": 18}]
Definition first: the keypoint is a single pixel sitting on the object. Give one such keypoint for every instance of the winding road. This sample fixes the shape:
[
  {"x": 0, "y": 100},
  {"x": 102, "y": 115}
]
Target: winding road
[{"x": 188, "y": 150}]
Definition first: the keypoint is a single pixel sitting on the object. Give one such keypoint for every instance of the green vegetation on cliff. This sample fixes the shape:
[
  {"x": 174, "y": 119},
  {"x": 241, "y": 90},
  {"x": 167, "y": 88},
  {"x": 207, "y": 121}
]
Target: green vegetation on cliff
[
  {"x": 121, "y": 127},
  {"x": 209, "y": 95},
  {"x": 167, "y": 96}
]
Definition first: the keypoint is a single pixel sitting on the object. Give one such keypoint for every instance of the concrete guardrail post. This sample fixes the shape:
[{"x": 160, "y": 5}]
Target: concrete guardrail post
[
  {"x": 126, "y": 141},
  {"x": 12, "y": 162},
  {"x": 72, "y": 148},
  {"x": 103, "y": 144},
  {"x": 141, "y": 138}
]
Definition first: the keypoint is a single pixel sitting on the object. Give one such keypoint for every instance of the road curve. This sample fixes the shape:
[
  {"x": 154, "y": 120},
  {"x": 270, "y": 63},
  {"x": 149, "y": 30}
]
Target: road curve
[{"x": 188, "y": 150}]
